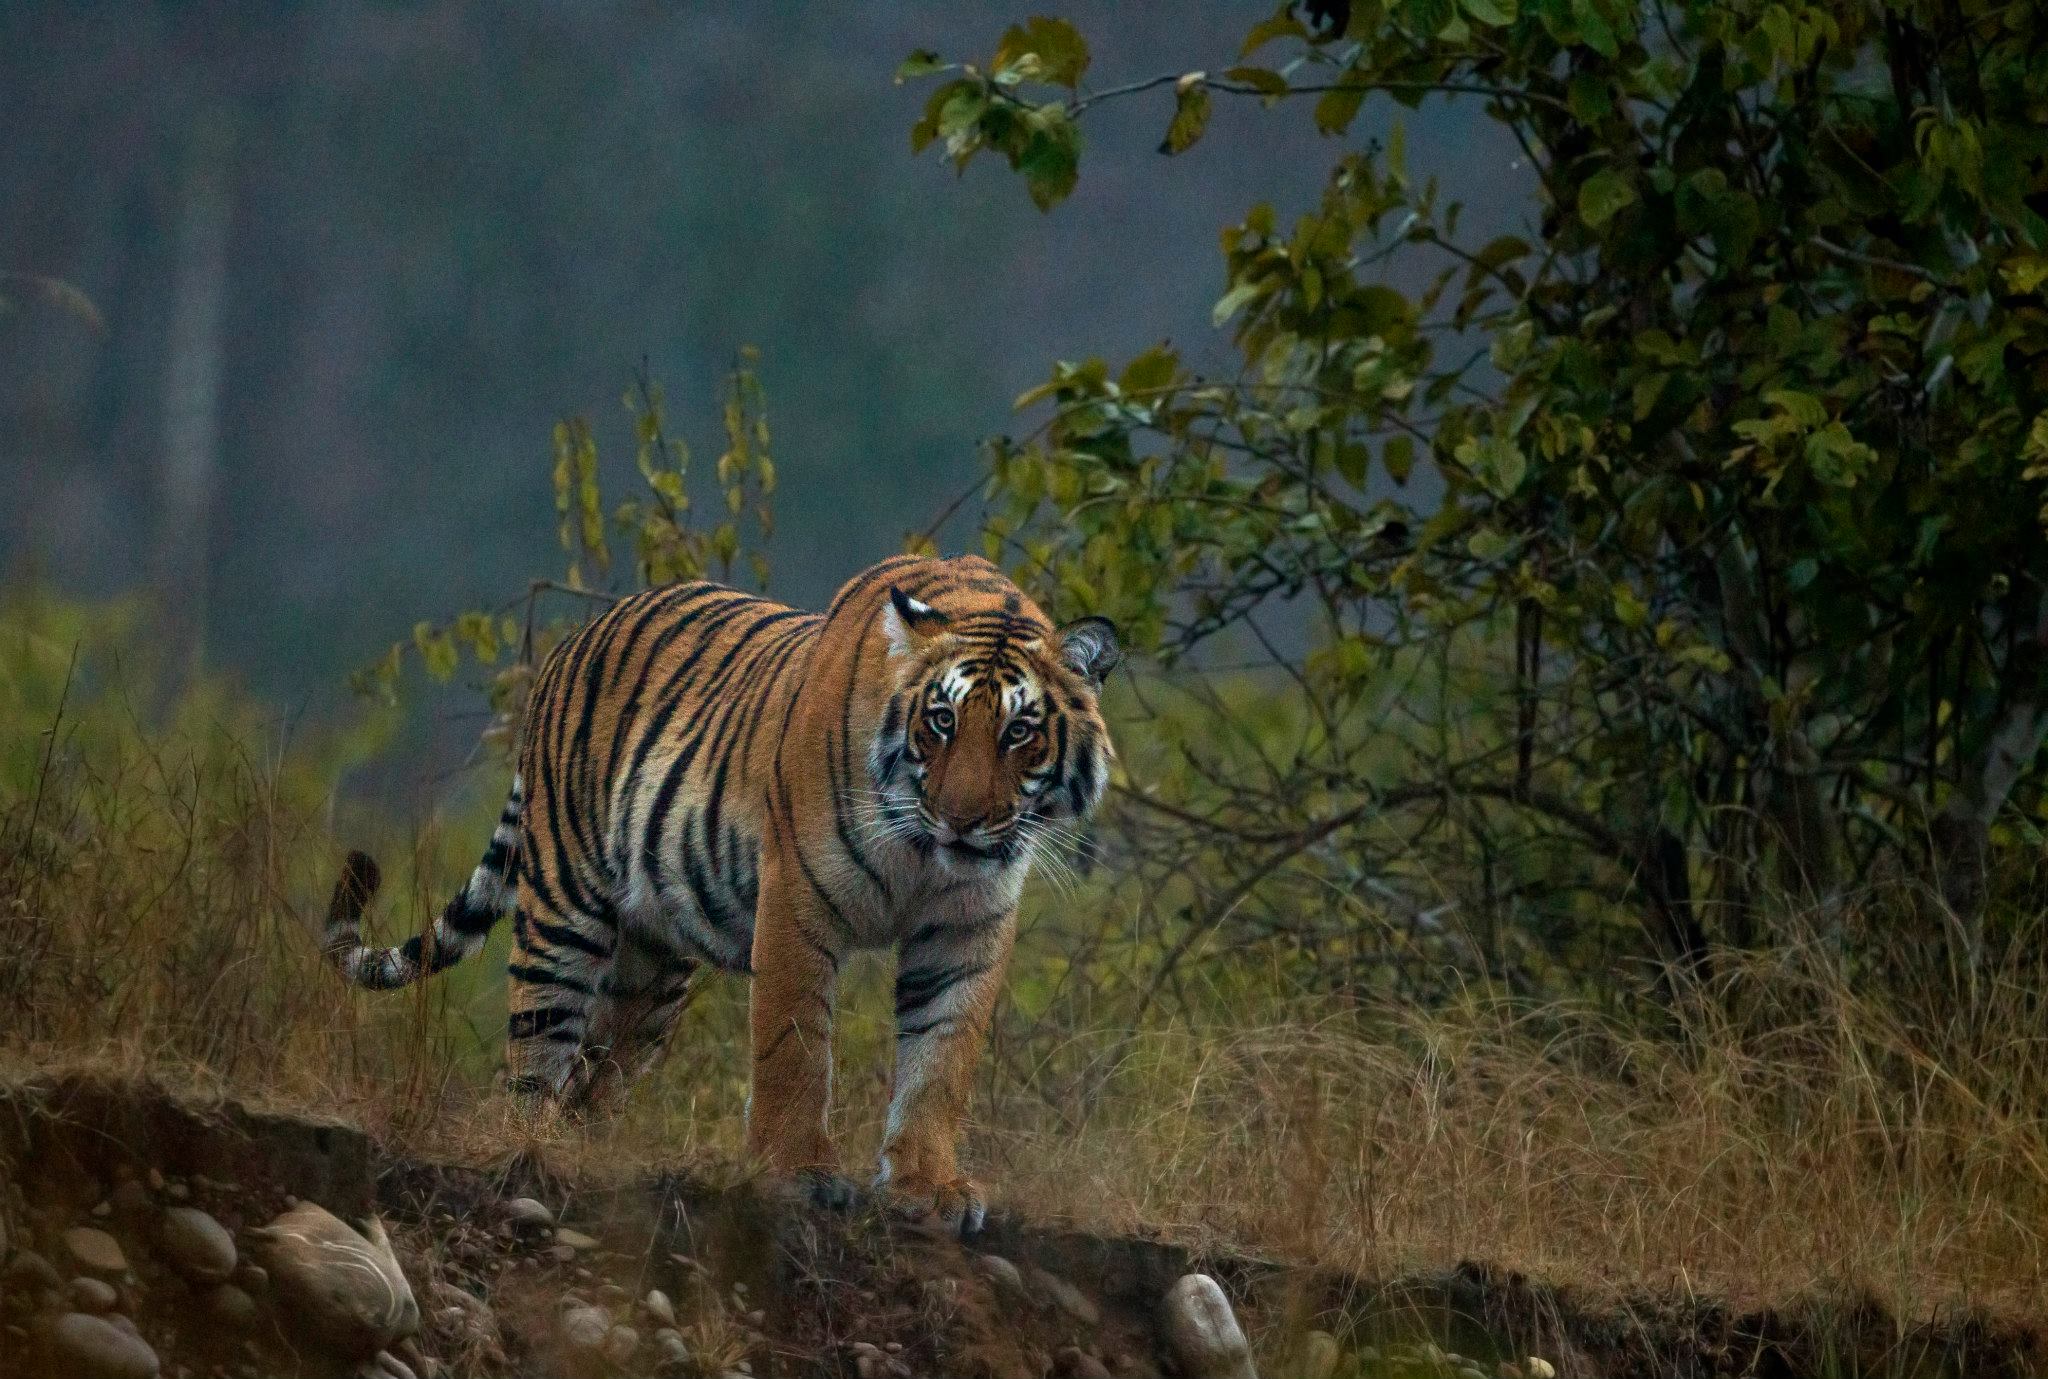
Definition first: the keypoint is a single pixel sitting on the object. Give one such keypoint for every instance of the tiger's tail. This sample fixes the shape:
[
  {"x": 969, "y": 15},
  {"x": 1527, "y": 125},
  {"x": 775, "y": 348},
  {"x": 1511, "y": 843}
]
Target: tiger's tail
[{"x": 461, "y": 930}]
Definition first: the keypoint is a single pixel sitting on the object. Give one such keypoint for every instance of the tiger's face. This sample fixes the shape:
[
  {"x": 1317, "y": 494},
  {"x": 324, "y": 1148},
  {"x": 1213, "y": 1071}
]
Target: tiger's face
[{"x": 994, "y": 734}]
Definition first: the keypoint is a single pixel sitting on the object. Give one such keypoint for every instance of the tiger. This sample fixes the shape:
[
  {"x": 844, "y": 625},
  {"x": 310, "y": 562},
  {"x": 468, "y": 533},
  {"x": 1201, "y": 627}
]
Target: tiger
[{"x": 710, "y": 778}]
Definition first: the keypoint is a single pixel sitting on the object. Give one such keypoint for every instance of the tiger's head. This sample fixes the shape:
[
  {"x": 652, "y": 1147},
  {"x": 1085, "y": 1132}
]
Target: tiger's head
[{"x": 994, "y": 732}]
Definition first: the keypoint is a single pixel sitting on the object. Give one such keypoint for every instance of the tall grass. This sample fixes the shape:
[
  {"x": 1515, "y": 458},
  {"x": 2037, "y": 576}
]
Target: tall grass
[{"x": 1809, "y": 1124}]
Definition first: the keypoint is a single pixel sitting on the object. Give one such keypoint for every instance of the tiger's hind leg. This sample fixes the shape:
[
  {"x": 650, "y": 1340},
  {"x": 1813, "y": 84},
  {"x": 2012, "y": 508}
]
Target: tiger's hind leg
[
  {"x": 638, "y": 1003},
  {"x": 559, "y": 963}
]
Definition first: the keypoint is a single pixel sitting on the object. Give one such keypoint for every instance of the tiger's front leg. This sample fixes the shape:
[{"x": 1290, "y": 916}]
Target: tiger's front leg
[
  {"x": 948, "y": 977},
  {"x": 798, "y": 938}
]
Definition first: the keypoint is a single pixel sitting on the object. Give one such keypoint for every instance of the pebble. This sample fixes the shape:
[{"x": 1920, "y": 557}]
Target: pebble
[
  {"x": 562, "y": 1254},
  {"x": 1076, "y": 1363},
  {"x": 252, "y": 1278},
  {"x": 178, "y": 1192},
  {"x": 1066, "y": 1297},
  {"x": 102, "y": 1210},
  {"x": 390, "y": 1364},
  {"x": 1202, "y": 1331},
  {"x": 93, "y": 1295},
  {"x": 660, "y": 1308},
  {"x": 196, "y": 1245},
  {"x": 619, "y": 1344},
  {"x": 93, "y": 1348},
  {"x": 1536, "y": 1367},
  {"x": 999, "y": 1270},
  {"x": 28, "y": 1271},
  {"x": 528, "y": 1214},
  {"x": 95, "y": 1250},
  {"x": 132, "y": 1199},
  {"x": 1319, "y": 1355},
  {"x": 156, "y": 1180},
  {"x": 672, "y": 1349},
  {"x": 575, "y": 1240},
  {"x": 586, "y": 1328},
  {"x": 232, "y": 1307}
]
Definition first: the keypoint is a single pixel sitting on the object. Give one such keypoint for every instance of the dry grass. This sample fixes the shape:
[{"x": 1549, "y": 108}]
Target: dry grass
[{"x": 1803, "y": 1132}]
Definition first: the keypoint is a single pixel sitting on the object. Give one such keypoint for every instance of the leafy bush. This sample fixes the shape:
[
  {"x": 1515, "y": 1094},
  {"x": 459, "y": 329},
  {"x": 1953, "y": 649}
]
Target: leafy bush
[{"x": 1686, "y": 551}]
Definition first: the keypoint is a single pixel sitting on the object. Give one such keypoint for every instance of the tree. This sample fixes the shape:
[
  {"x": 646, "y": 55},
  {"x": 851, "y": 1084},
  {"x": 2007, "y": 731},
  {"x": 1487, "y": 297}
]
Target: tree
[{"x": 1688, "y": 549}]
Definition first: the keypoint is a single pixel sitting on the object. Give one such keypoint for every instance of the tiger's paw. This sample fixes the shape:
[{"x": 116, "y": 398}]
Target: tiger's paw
[
  {"x": 826, "y": 1188},
  {"x": 957, "y": 1202}
]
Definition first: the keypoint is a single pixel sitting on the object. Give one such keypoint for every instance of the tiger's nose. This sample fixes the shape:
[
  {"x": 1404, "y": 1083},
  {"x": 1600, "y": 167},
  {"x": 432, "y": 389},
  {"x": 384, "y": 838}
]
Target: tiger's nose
[{"x": 963, "y": 824}]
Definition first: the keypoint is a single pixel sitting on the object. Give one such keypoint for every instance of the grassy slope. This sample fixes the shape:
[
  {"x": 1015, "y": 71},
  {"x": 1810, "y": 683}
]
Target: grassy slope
[{"x": 1812, "y": 1134}]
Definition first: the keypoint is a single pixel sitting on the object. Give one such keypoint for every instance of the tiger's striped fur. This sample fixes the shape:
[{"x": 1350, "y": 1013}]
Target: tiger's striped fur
[{"x": 712, "y": 778}]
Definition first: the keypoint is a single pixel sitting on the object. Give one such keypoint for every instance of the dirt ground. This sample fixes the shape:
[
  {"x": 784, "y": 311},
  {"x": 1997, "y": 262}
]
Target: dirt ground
[{"x": 520, "y": 1272}]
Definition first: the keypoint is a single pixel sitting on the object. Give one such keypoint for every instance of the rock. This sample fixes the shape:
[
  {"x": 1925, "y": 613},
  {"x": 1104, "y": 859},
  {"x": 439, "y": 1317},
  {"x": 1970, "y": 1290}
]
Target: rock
[
  {"x": 252, "y": 1279},
  {"x": 95, "y": 1250},
  {"x": 196, "y": 1245},
  {"x": 672, "y": 1351},
  {"x": 586, "y": 1329},
  {"x": 102, "y": 1210},
  {"x": 562, "y": 1254},
  {"x": 1072, "y": 1362},
  {"x": 131, "y": 1200},
  {"x": 155, "y": 1179},
  {"x": 1000, "y": 1271},
  {"x": 659, "y": 1307},
  {"x": 525, "y": 1214},
  {"x": 1319, "y": 1355},
  {"x": 232, "y": 1308},
  {"x": 575, "y": 1240},
  {"x": 29, "y": 1271},
  {"x": 178, "y": 1192},
  {"x": 93, "y": 1348},
  {"x": 1536, "y": 1367},
  {"x": 1065, "y": 1296},
  {"x": 1202, "y": 1331},
  {"x": 620, "y": 1343},
  {"x": 93, "y": 1295},
  {"x": 339, "y": 1288},
  {"x": 389, "y": 1366}
]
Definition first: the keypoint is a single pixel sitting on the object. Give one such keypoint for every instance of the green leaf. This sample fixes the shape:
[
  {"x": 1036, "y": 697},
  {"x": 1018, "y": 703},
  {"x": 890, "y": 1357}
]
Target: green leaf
[
  {"x": 1398, "y": 455},
  {"x": 1230, "y": 302},
  {"x": 1150, "y": 371},
  {"x": 1058, "y": 53},
  {"x": 1051, "y": 162},
  {"x": 1602, "y": 195},
  {"x": 1190, "y": 116},
  {"x": 921, "y": 63},
  {"x": 1264, "y": 79},
  {"x": 1282, "y": 24},
  {"x": 1493, "y": 13},
  {"x": 1336, "y": 110}
]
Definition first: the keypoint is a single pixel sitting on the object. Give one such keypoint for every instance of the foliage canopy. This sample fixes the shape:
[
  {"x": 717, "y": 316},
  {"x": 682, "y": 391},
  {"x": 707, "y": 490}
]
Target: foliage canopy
[{"x": 1687, "y": 546}]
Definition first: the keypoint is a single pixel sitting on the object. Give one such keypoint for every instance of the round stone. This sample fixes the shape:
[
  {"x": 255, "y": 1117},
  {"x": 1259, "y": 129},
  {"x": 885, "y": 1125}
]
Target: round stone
[
  {"x": 619, "y": 1345},
  {"x": 232, "y": 1307},
  {"x": 586, "y": 1328},
  {"x": 95, "y": 1250},
  {"x": 93, "y": 1348},
  {"x": 93, "y": 1295},
  {"x": 196, "y": 1245},
  {"x": 528, "y": 1214}
]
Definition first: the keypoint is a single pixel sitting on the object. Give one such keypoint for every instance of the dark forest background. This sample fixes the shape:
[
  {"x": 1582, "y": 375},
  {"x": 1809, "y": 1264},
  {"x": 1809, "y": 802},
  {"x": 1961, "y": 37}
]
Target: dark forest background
[{"x": 354, "y": 259}]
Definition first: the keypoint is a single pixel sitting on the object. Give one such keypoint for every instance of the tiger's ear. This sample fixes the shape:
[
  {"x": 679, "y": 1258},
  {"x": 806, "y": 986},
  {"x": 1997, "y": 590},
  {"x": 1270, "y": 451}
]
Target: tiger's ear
[
  {"x": 910, "y": 624},
  {"x": 1090, "y": 649}
]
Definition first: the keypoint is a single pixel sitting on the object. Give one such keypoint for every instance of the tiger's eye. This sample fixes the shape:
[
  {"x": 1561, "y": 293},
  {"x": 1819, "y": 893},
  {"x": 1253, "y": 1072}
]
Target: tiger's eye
[{"x": 940, "y": 718}]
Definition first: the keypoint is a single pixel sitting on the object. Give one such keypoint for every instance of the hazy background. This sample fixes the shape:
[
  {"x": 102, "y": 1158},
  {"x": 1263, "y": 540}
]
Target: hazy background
[{"x": 355, "y": 258}]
